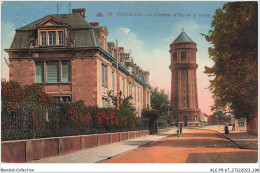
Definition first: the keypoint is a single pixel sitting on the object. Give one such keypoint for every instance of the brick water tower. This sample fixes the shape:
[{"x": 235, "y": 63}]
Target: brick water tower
[{"x": 184, "y": 92}]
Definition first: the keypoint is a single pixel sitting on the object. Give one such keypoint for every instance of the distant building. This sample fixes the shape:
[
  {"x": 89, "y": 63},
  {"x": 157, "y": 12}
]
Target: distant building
[
  {"x": 184, "y": 95},
  {"x": 240, "y": 124},
  {"x": 204, "y": 118},
  {"x": 72, "y": 59}
]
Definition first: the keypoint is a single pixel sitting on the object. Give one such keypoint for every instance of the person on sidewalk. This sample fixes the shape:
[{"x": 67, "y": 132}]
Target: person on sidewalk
[
  {"x": 226, "y": 129},
  {"x": 180, "y": 128},
  {"x": 233, "y": 127}
]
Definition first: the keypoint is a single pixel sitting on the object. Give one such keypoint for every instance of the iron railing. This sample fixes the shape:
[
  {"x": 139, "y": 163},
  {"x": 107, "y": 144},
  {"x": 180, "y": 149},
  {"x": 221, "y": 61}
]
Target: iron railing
[{"x": 18, "y": 122}]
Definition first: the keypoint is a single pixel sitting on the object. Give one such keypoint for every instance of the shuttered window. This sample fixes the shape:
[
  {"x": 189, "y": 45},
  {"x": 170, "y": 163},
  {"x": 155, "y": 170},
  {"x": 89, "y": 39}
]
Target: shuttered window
[
  {"x": 104, "y": 75},
  {"x": 39, "y": 72},
  {"x": 123, "y": 86},
  {"x": 55, "y": 71},
  {"x": 130, "y": 89},
  {"x": 52, "y": 71},
  {"x": 113, "y": 81},
  {"x": 66, "y": 71}
]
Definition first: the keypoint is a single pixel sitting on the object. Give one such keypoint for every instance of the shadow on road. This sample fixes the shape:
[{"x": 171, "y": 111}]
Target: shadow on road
[{"x": 137, "y": 143}]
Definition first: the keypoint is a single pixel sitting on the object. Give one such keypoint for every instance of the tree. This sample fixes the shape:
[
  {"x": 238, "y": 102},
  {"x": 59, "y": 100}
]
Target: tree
[
  {"x": 126, "y": 112},
  {"x": 160, "y": 102},
  {"x": 234, "y": 74}
]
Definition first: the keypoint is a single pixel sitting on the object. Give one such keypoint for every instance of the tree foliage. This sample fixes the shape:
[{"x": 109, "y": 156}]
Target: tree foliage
[
  {"x": 126, "y": 112},
  {"x": 234, "y": 75},
  {"x": 160, "y": 101}
]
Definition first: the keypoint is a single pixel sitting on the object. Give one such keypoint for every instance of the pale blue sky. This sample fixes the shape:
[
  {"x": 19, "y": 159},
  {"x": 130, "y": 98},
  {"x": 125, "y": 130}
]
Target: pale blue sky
[{"x": 148, "y": 37}]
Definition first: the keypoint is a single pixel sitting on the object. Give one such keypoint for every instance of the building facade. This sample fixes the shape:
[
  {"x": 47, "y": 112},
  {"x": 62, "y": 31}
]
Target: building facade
[
  {"x": 184, "y": 95},
  {"x": 72, "y": 59}
]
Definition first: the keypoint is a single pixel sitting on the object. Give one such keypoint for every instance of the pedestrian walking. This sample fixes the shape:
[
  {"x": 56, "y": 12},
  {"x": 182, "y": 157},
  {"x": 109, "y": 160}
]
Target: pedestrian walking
[
  {"x": 180, "y": 128},
  {"x": 226, "y": 129}
]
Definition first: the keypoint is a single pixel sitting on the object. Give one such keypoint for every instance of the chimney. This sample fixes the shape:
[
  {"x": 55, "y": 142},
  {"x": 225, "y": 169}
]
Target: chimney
[
  {"x": 127, "y": 55},
  {"x": 95, "y": 24},
  {"x": 146, "y": 73},
  {"x": 121, "y": 49},
  {"x": 80, "y": 11}
]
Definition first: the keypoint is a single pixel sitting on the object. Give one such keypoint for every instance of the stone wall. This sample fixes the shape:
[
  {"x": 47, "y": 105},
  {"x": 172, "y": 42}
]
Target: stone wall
[{"x": 21, "y": 151}]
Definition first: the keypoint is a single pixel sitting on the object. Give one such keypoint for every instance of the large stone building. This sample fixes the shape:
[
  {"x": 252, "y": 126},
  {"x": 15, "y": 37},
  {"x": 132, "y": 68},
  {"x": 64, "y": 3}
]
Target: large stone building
[
  {"x": 184, "y": 95},
  {"x": 72, "y": 59}
]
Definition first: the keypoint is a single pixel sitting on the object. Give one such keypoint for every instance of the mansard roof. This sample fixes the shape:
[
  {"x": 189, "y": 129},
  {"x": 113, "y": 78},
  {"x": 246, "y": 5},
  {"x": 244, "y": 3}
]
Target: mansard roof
[
  {"x": 74, "y": 20},
  {"x": 78, "y": 27}
]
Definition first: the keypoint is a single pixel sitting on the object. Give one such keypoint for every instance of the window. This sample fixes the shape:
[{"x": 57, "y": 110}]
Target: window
[
  {"x": 60, "y": 37},
  {"x": 130, "y": 89},
  {"x": 52, "y": 38},
  {"x": 55, "y": 70},
  {"x": 148, "y": 99},
  {"x": 175, "y": 57},
  {"x": 141, "y": 96},
  {"x": 66, "y": 71},
  {"x": 195, "y": 118},
  {"x": 135, "y": 92},
  {"x": 123, "y": 87},
  {"x": 52, "y": 71},
  {"x": 183, "y": 56},
  {"x": 138, "y": 94},
  {"x": 241, "y": 122},
  {"x": 113, "y": 81},
  {"x": 65, "y": 99},
  {"x": 104, "y": 75},
  {"x": 39, "y": 72},
  {"x": 43, "y": 38},
  {"x": 104, "y": 102}
]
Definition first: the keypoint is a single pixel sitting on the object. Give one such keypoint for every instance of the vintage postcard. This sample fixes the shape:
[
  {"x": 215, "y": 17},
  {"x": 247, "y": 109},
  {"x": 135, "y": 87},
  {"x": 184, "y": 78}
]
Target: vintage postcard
[{"x": 144, "y": 83}]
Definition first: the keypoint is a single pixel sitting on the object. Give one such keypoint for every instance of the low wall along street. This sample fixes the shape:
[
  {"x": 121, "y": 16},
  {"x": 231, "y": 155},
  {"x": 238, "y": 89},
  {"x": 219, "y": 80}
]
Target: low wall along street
[{"x": 21, "y": 151}]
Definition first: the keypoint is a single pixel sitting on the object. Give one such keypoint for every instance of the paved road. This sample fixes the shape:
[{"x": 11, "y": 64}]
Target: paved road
[{"x": 193, "y": 146}]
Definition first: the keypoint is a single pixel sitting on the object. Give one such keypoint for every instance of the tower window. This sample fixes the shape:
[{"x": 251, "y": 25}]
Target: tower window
[
  {"x": 175, "y": 57},
  {"x": 183, "y": 56}
]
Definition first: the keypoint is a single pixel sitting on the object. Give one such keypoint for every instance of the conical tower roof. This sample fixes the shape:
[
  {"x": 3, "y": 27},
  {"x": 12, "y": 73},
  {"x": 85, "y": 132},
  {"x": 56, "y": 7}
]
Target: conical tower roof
[{"x": 183, "y": 37}]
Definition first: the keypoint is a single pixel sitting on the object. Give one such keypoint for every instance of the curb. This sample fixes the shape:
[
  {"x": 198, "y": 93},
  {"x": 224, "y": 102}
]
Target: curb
[
  {"x": 239, "y": 146},
  {"x": 131, "y": 149}
]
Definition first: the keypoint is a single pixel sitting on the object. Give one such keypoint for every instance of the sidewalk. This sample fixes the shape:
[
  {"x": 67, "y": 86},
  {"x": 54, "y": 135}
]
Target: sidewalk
[
  {"x": 241, "y": 138},
  {"x": 105, "y": 152}
]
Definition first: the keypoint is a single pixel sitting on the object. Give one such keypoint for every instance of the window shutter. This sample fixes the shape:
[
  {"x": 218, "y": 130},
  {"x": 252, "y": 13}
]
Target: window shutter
[
  {"x": 105, "y": 75},
  {"x": 66, "y": 71},
  {"x": 113, "y": 84},
  {"x": 53, "y": 71},
  {"x": 39, "y": 72},
  {"x": 102, "y": 74}
]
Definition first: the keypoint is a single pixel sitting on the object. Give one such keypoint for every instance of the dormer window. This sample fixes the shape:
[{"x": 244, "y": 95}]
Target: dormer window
[
  {"x": 60, "y": 37},
  {"x": 51, "y": 38},
  {"x": 43, "y": 38}
]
